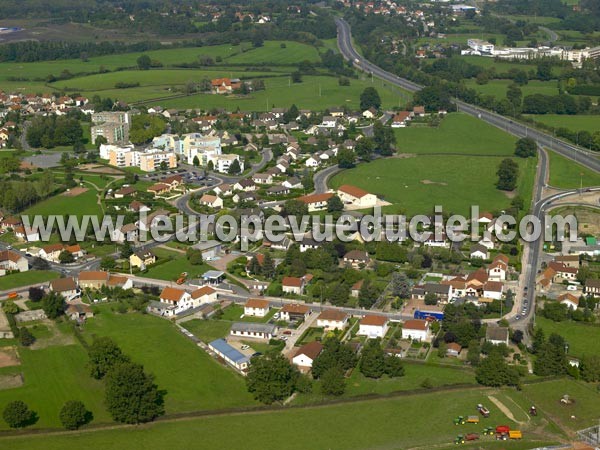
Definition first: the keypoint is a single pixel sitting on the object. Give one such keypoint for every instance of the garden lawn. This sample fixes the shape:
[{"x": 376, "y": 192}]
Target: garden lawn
[
  {"x": 207, "y": 330},
  {"x": 52, "y": 376},
  {"x": 83, "y": 204},
  {"x": 414, "y": 185},
  {"x": 192, "y": 379},
  {"x": 574, "y": 123},
  {"x": 455, "y": 135},
  {"x": 172, "y": 269},
  {"x": 389, "y": 423},
  {"x": 583, "y": 339},
  {"x": 498, "y": 88},
  {"x": 26, "y": 278}
]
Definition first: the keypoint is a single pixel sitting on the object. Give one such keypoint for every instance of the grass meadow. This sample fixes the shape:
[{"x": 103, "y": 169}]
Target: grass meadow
[{"x": 567, "y": 174}]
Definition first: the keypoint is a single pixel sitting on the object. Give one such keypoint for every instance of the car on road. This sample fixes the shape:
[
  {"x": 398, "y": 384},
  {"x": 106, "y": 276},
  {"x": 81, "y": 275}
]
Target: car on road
[
  {"x": 283, "y": 338},
  {"x": 517, "y": 317}
]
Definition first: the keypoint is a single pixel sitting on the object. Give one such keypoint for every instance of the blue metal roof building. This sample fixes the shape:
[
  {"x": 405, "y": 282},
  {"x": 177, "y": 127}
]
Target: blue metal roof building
[{"x": 230, "y": 354}]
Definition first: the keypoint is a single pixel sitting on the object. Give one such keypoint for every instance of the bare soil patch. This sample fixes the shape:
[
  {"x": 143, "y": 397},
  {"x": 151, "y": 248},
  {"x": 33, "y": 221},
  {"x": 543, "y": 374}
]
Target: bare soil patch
[
  {"x": 75, "y": 192},
  {"x": 9, "y": 357},
  {"x": 96, "y": 168},
  {"x": 11, "y": 381},
  {"x": 441, "y": 183}
]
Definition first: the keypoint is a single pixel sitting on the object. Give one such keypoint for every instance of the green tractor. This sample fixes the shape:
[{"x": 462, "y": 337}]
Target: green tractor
[
  {"x": 460, "y": 439},
  {"x": 460, "y": 420},
  {"x": 488, "y": 431}
]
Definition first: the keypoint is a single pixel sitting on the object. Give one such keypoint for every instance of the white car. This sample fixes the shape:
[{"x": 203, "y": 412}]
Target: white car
[
  {"x": 283, "y": 338},
  {"x": 571, "y": 287},
  {"x": 245, "y": 347}
]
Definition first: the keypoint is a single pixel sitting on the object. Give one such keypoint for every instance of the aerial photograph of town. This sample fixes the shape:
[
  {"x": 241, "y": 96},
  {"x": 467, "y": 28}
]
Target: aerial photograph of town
[{"x": 299, "y": 224}]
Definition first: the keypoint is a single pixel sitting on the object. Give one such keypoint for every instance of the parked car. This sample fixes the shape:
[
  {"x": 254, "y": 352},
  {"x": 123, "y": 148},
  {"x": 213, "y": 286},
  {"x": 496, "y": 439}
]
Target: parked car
[{"x": 245, "y": 347}]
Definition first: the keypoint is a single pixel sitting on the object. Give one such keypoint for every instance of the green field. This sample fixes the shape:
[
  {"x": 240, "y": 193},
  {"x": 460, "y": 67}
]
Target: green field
[
  {"x": 583, "y": 339},
  {"x": 567, "y": 174},
  {"x": 500, "y": 66},
  {"x": 207, "y": 330},
  {"x": 192, "y": 379},
  {"x": 452, "y": 136},
  {"x": 498, "y": 88},
  {"x": 415, "y": 185},
  {"x": 83, "y": 204},
  {"x": 575, "y": 123},
  {"x": 26, "y": 278},
  {"x": 52, "y": 376},
  {"x": 171, "y": 270},
  {"x": 391, "y": 423}
]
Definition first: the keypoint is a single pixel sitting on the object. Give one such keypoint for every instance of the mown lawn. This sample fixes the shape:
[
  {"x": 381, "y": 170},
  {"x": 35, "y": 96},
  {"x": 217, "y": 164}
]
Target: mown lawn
[
  {"x": 25, "y": 278},
  {"x": 498, "y": 88},
  {"x": 80, "y": 205},
  {"x": 568, "y": 174},
  {"x": 575, "y": 123},
  {"x": 172, "y": 269},
  {"x": 390, "y": 423},
  {"x": 453, "y": 136},
  {"x": 52, "y": 376},
  {"x": 207, "y": 330},
  {"x": 414, "y": 185},
  {"x": 191, "y": 378},
  {"x": 582, "y": 339}
]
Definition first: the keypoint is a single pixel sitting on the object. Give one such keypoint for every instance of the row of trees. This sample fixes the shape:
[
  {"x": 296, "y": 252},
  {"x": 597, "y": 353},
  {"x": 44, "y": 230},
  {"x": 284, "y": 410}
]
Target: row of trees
[{"x": 51, "y": 131}]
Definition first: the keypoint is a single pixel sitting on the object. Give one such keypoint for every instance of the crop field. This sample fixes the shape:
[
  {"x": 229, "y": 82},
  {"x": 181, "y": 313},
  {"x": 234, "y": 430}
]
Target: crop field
[
  {"x": 345, "y": 426},
  {"x": 452, "y": 137},
  {"x": 583, "y": 339},
  {"x": 575, "y": 123},
  {"x": 567, "y": 174},
  {"x": 498, "y": 88}
]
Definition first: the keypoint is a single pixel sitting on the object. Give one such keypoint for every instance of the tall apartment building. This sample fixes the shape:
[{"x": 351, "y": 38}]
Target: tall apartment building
[
  {"x": 204, "y": 147},
  {"x": 112, "y": 125}
]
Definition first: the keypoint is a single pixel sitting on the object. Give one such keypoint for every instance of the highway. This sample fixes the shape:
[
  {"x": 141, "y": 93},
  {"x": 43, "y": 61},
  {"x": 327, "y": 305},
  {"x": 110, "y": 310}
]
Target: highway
[{"x": 571, "y": 151}]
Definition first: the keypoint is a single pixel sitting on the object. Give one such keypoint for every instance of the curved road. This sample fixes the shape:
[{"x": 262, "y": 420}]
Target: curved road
[{"x": 570, "y": 151}]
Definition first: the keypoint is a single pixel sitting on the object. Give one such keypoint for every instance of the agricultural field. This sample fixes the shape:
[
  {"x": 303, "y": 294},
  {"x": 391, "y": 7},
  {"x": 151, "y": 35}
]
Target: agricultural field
[
  {"x": 575, "y": 123},
  {"x": 450, "y": 137},
  {"x": 26, "y": 278},
  {"x": 172, "y": 269},
  {"x": 412, "y": 426},
  {"x": 414, "y": 185},
  {"x": 583, "y": 339},
  {"x": 567, "y": 174},
  {"x": 498, "y": 88}
]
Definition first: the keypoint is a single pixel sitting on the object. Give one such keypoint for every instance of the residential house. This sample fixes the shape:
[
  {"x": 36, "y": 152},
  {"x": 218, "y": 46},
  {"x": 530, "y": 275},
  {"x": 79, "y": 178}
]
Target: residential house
[
  {"x": 12, "y": 261},
  {"x": 292, "y": 285},
  {"x": 496, "y": 335},
  {"x": 416, "y": 330},
  {"x": 262, "y": 178},
  {"x": 568, "y": 260},
  {"x": 453, "y": 349},
  {"x": 142, "y": 259},
  {"x": 92, "y": 279},
  {"x": 79, "y": 312},
  {"x": 493, "y": 290},
  {"x": 572, "y": 301},
  {"x": 355, "y": 289},
  {"x": 592, "y": 287},
  {"x": 256, "y": 307},
  {"x": 245, "y": 185},
  {"x": 563, "y": 271},
  {"x": 178, "y": 299},
  {"x": 332, "y": 319},
  {"x": 125, "y": 191},
  {"x": 306, "y": 354},
  {"x": 479, "y": 251},
  {"x": 51, "y": 252},
  {"x": 128, "y": 232},
  {"x": 498, "y": 268},
  {"x": 211, "y": 201},
  {"x": 308, "y": 243},
  {"x": 294, "y": 312},
  {"x": 316, "y": 202},
  {"x": 357, "y": 259},
  {"x": 253, "y": 330},
  {"x": 373, "y": 326},
  {"x": 203, "y": 295},
  {"x": 400, "y": 119},
  {"x": 67, "y": 287},
  {"x": 370, "y": 113}
]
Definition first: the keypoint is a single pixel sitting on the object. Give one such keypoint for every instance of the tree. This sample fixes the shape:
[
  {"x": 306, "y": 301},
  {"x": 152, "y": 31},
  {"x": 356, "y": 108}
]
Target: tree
[
  {"x": 25, "y": 337},
  {"x": 234, "y": 168},
  {"x": 196, "y": 161},
  {"x": 103, "y": 355},
  {"x": 35, "y": 294},
  {"x": 296, "y": 77},
  {"x": 372, "y": 361},
  {"x": 144, "y": 62},
  {"x": 334, "y": 204},
  {"x": 107, "y": 263},
  {"x": 369, "y": 98},
  {"x": 10, "y": 307},
  {"x": 508, "y": 173},
  {"x": 332, "y": 382},
  {"x": 126, "y": 250},
  {"x": 17, "y": 414},
  {"x": 526, "y": 147},
  {"x": 194, "y": 256},
  {"x": 38, "y": 263},
  {"x": 551, "y": 357},
  {"x": 131, "y": 395},
  {"x": 544, "y": 70},
  {"x": 364, "y": 148},
  {"x": 517, "y": 337},
  {"x": 294, "y": 208},
  {"x": 334, "y": 354},
  {"x": 73, "y": 415},
  {"x": 346, "y": 158},
  {"x": 590, "y": 368},
  {"x": 393, "y": 366},
  {"x": 368, "y": 294},
  {"x": 514, "y": 95},
  {"x": 474, "y": 352},
  {"x": 271, "y": 378},
  {"x": 53, "y": 305},
  {"x": 494, "y": 371},
  {"x": 400, "y": 285},
  {"x": 268, "y": 266},
  {"x": 431, "y": 299}
]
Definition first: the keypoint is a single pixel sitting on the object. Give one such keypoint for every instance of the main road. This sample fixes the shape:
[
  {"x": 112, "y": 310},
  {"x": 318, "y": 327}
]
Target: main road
[{"x": 570, "y": 151}]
